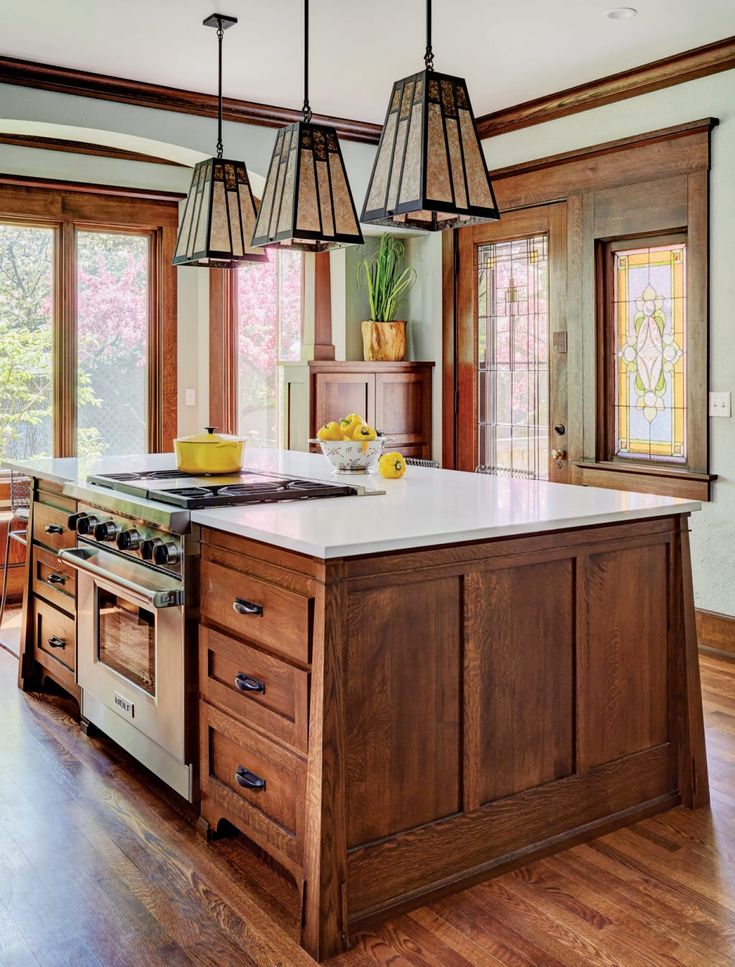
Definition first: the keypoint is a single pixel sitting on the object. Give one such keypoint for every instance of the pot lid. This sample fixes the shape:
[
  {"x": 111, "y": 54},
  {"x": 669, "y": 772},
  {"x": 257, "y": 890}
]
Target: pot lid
[{"x": 209, "y": 437}]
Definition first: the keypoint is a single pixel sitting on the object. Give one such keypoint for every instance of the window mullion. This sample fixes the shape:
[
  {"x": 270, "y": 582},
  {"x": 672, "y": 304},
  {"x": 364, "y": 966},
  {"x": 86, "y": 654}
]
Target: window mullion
[{"x": 65, "y": 344}]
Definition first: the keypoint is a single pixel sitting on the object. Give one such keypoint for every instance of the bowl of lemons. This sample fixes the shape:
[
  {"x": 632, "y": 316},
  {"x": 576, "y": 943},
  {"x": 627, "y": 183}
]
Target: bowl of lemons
[{"x": 351, "y": 445}]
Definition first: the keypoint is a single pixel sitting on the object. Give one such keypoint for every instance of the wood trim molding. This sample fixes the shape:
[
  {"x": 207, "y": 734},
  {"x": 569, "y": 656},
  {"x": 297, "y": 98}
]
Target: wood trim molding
[
  {"x": 222, "y": 351},
  {"x": 90, "y": 188},
  {"x": 617, "y": 475},
  {"x": 323, "y": 344},
  {"x": 587, "y": 153},
  {"x": 83, "y": 147},
  {"x": 66, "y": 80},
  {"x": 716, "y": 633},
  {"x": 676, "y": 69}
]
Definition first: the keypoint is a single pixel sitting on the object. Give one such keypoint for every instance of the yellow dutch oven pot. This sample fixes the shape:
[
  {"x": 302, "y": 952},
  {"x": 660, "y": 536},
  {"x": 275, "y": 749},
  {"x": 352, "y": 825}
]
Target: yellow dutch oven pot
[{"x": 209, "y": 452}]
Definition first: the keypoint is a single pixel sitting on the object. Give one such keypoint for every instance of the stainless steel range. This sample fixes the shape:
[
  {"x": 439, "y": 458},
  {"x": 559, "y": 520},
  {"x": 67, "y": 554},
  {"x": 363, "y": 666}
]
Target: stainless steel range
[{"x": 137, "y": 595}]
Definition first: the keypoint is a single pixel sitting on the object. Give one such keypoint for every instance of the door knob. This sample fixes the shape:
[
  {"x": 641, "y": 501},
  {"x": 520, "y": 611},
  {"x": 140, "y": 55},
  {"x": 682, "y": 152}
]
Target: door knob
[{"x": 558, "y": 454}]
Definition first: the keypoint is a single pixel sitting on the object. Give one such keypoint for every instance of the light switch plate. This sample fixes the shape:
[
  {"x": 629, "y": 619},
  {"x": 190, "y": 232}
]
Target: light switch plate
[
  {"x": 720, "y": 404},
  {"x": 190, "y": 397}
]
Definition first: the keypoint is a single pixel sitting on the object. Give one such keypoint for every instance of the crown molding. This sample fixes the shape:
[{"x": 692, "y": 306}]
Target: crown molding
[
  {"x": 66, "y": 80},
  {"x": 677, "y": 69}
]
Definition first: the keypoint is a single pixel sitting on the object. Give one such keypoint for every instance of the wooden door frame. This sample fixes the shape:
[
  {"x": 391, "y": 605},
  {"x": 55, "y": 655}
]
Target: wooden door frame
[
  {"x": 578, "y": 179},
  {"x": 550, "y": 220}
]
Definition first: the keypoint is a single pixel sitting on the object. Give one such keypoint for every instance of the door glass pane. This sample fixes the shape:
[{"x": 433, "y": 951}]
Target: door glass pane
[
  {"x": 126, "y": 639},
  {"x": 513, "y": 353},
  {"x": 649, "y": 292},
  {"x": 26, "y": 340},
  {"x": 112, "y": 343},
  {"x": 269, "y": 305}
]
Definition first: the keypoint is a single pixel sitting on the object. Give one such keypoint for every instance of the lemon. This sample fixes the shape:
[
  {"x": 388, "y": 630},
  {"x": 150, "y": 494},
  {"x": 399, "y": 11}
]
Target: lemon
[
  {"x": 330, "y": 431},
  {"x": 392, "y": 465}
]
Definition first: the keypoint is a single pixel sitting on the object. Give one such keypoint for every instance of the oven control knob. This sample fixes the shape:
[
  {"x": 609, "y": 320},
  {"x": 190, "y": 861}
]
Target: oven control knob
[
  {"x": 147, "y": 548},
  {"x": 165, "y": 553},
  {"x": 105, "y": 531},
  {"x": 86, "y": 523},
  {"x": 128, "y": 540}
]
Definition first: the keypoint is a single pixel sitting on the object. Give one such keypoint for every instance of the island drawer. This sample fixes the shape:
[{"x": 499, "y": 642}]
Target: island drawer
[
  {"x": 254, "y": 783},
  {"x": 49, "y": 526},
  {"x": 54, "y": 637},
  {"x": 264, "y": 613},
  {"x": 262, "y": 691},
  {"x": 53, "y": 579}
]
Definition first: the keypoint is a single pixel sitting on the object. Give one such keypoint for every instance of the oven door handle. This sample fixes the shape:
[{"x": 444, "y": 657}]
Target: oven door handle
[{"x": 82, "y": 559}]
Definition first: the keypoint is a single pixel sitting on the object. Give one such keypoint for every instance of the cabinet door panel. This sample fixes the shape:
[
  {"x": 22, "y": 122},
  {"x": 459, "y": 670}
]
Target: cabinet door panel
[
  {"x": 624, "y": 673},
  {"x": 338, "y": 394},
  {"x": 403, "y": 703},
  {"x": 403, "y": 406},
  {"x": 522, "y": 647}
]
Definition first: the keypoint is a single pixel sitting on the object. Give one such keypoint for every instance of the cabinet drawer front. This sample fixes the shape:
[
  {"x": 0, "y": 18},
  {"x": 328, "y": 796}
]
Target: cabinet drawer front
[
  {"x": 54, "y": 580},
  {"x": 272, "y": 814},
  {"x": 280, "y": 620},
  {"x": 54, "y": 634},
  {"x": 49, "y": 526},
  {"x": 262, "y": 691}
]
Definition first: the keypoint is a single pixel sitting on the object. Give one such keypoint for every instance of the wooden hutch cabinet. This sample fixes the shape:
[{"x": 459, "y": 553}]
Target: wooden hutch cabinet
[{"x": 395, "y": 398}]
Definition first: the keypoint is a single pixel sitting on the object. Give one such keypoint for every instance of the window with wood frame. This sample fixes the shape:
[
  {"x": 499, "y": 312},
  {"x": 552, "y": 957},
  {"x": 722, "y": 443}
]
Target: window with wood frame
[
  {"x": 87, "y": 320},
  {"x": 256, "y": 322},
  {"x": 630, "y": 324}
]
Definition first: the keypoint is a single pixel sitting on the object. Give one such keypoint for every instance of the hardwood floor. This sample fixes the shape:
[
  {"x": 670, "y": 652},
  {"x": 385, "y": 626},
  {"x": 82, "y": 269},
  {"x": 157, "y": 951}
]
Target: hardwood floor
[{"x": 98, "y": 868}]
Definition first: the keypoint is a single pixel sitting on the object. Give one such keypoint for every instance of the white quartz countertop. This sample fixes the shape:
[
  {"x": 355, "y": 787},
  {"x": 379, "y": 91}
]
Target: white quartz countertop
[{"x": 424, "y": 508}]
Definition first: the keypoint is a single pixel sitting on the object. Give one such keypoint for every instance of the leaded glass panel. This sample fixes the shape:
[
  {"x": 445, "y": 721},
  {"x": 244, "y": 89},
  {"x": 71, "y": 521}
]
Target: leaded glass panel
[
  {"x": 649, "y": 313},
  {"x": 513, "y": 354}
]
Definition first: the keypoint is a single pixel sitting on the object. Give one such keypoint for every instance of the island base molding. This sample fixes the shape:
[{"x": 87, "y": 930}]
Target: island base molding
[
  {"x": 716, "y": 633},
  {"x": 436, "y": 716}
]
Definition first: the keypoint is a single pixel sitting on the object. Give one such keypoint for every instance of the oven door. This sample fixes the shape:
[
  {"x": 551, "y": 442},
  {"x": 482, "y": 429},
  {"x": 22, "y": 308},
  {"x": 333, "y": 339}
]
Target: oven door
[{"x": 130, "y": 645}]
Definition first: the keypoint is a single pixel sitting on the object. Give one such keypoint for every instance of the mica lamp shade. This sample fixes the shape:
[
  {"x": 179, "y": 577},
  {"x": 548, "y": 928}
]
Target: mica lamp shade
[
  {"x": 429, "y": 172},
  {"x": 219, "y": 216},
  {"x": 307, "y": 203}
]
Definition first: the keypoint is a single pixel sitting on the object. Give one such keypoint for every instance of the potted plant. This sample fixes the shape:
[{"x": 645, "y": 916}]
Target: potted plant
[{"x": 384, "y": 336}]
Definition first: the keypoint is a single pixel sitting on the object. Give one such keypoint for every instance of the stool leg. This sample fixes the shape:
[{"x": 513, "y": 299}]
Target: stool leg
[{"x": 6, "y": 563}]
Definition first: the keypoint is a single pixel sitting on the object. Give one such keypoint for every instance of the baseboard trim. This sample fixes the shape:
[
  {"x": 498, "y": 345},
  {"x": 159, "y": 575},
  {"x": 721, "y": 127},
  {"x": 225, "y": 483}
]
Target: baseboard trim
[{"x": 716, "y": 633}]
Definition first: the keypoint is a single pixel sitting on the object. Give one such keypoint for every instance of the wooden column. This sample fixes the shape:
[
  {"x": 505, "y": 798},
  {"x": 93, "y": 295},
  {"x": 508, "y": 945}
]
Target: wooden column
[{"x": 323, "y": 345}]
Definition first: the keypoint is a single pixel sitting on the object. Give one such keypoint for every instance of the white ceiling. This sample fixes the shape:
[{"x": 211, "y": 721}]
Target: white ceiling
[{"x": 508, "y": 51}]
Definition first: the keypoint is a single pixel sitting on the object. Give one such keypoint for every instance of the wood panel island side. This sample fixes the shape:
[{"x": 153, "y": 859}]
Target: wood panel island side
[
  {"x": 404, "y": 693},
  {"x": 433, "y": 716}
]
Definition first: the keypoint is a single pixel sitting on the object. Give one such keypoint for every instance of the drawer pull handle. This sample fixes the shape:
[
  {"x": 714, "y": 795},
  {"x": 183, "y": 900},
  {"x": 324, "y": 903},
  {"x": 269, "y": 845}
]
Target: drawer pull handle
[
  {"x": 246, "y": 683},
  {"x": 56, "y": 579},
  {"x": 241, "y": 606},
  {"x": 248, "y": 780},
  {"x": 54, "y": 529},
  {"x": 56, "y": 642}
]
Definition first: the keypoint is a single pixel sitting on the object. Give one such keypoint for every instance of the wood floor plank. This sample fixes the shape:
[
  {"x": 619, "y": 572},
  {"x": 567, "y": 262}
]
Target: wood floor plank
[{"x": 99, "y": 867}]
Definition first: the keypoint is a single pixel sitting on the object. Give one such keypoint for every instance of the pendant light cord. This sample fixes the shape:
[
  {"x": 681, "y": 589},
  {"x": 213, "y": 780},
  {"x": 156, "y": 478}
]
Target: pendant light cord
[
  {"x": 220, "y": 35},
  {"x": 429, "y": 55},
  {"x": 307, "y": 107}
]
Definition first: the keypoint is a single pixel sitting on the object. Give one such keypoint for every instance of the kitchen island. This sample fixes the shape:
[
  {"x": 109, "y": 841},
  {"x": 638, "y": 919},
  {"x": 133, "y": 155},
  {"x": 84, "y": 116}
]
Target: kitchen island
[{"x": 403, "y": 692}]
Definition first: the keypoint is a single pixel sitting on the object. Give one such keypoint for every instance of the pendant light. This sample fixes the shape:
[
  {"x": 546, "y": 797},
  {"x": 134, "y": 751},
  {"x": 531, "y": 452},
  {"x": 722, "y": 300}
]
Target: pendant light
[
  {"x": 307, "y": 203},
  {"x": 219, "y": 212},
  {"x": 429, "y": 172}
]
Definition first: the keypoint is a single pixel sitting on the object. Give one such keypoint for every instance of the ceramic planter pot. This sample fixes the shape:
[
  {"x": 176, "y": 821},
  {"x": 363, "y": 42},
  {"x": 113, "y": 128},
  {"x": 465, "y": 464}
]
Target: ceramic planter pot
[{"x": 384, "y": 341}]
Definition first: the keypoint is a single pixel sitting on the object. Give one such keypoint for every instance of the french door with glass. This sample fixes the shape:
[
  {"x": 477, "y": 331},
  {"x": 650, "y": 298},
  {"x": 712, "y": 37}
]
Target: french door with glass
[{"x": 511, "y": 346}]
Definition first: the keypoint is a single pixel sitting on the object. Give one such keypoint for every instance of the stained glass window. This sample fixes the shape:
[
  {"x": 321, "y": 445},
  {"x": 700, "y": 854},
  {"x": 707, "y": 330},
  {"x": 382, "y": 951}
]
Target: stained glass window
[
  {"x": 649, "y": 313},
  {"x": 513, "y": 355}
]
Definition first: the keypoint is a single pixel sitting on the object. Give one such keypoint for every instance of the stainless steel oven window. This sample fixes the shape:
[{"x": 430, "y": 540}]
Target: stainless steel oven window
[{"x": 126, "y": 639}]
